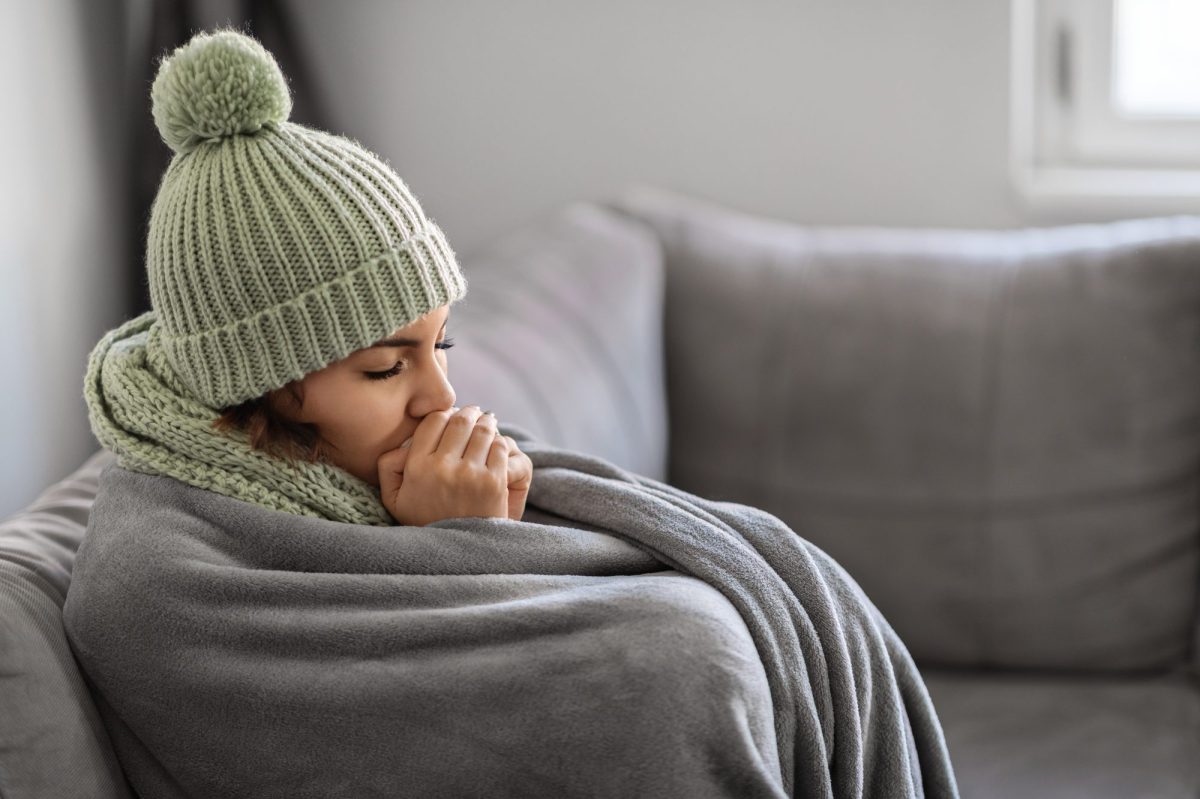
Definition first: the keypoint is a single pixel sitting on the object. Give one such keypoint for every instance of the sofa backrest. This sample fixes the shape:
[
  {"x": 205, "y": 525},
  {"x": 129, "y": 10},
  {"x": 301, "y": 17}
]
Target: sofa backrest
[
  {"x": 561, "y": 333},
  {"x": 997, "y": 433},
  {"x": 52, "y": 741}
]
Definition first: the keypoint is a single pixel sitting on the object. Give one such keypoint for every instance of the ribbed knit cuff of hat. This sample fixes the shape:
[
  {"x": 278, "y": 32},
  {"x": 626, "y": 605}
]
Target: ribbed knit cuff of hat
[{"x": 240, "y": 360}]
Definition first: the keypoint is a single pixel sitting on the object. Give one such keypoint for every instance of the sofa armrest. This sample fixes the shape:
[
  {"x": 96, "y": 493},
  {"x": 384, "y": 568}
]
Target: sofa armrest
[
  {"x": 52, "y": 741},
  {"x": 44, "y": 536}
]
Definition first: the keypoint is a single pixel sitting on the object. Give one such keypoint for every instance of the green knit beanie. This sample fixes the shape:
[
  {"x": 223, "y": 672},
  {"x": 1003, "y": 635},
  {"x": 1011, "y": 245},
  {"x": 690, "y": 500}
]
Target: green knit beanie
[{"x": 274, "y": 249}]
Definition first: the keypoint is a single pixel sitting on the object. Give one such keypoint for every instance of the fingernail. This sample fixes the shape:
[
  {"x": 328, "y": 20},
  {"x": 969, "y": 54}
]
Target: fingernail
[{"x": 407, "y": 442}]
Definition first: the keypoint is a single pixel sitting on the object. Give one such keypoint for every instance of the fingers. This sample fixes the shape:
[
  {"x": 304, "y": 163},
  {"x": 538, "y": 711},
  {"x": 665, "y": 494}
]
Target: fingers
[
  {"x": 429, "y": 432},
  {"x": 390, "y": 469},
  {"x": 520, "y": 467},
  {"x": 497, "y": 461},
  {"x": 393, "y": 459},
  {"x": 466, "y": 433},
  {"x": 481, "y": 439},
  {"x": 457, "y": 432}
]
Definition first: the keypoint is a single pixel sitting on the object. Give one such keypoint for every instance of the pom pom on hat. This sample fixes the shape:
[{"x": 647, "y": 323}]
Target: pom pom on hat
[{"x": 217, "y": 84}]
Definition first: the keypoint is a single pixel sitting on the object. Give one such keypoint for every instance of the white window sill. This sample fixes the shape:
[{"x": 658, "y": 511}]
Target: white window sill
[{"x": 1154, "y": 190}]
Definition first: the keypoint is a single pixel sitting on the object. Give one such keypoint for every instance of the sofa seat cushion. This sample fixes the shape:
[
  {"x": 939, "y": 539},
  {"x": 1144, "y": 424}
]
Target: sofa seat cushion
[{"x": 1070, "y": 736}]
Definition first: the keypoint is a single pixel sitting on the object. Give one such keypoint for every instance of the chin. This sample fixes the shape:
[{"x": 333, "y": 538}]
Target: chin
[
  {"x": 367, "y": 477},
  {"x": 371, "y": 476}
]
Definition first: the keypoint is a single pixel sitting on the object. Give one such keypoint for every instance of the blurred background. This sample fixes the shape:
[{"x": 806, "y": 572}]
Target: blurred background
[{"x": 928, "y": 113}]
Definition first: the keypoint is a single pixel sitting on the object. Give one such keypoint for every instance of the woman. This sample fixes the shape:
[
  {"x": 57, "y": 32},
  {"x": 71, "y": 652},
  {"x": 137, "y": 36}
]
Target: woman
[{"x": 311, "y": 574}]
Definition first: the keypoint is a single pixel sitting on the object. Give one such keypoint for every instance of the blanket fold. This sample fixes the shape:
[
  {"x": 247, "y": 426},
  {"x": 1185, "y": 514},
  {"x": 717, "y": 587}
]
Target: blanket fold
[{"x": 625, "y": 638}]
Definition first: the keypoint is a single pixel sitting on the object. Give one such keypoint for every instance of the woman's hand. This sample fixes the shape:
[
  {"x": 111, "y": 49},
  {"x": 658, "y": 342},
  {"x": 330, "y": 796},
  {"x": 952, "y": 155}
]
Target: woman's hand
[
  {"x": 455, "y": 464},
  {"x": 520, "y": 477}
]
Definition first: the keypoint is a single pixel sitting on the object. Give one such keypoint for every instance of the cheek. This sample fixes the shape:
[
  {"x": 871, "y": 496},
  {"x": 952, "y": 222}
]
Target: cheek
[{"x": 372, "y": 415}]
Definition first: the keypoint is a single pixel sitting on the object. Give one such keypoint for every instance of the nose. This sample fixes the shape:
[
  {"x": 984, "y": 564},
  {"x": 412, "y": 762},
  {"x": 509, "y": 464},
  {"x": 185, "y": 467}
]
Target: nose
[{"x": 434, "y": 389}]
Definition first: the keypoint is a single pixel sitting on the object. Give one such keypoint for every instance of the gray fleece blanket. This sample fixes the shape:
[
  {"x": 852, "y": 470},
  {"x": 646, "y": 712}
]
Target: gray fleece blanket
[{"x": 625, "y": 638}]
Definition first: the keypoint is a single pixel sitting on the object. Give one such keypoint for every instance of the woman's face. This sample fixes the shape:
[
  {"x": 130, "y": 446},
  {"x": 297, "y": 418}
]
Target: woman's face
[{"x": 373, "y": 399}]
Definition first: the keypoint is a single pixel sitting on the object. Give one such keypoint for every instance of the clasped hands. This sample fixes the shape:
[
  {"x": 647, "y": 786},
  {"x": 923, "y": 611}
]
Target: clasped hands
[{"x": 455, "y": 464}]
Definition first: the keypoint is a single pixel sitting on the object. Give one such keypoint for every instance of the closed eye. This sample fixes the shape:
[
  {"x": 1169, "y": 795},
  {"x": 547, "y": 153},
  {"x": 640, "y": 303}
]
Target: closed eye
[{"x": 445, "y": 344}]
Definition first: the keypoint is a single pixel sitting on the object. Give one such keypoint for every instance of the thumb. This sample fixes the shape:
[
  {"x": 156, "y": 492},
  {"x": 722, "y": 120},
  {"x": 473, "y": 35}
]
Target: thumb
[{"x": 391, "y": 467}]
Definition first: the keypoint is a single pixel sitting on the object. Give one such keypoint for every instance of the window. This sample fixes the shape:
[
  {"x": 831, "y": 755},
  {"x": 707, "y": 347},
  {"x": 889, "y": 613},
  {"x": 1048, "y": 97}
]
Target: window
[{"x": 1106, "y": 97}]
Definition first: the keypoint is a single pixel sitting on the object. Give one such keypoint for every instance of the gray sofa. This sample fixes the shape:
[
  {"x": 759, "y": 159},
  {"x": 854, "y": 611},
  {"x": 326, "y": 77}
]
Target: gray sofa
[{"x": 997, "y": 433}]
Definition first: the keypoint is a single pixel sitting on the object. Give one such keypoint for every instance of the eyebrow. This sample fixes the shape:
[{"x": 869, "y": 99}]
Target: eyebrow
[{"x": 400, "y": 341}]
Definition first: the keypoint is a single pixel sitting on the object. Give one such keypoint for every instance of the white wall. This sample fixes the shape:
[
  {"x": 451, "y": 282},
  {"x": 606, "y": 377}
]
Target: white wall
[
  {"x": 855, "y": 111},
  {"x": 60, "y": 235}
]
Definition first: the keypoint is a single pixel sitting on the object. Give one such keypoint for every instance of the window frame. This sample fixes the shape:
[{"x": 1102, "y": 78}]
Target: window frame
[{"x": 1068, "y": 143}]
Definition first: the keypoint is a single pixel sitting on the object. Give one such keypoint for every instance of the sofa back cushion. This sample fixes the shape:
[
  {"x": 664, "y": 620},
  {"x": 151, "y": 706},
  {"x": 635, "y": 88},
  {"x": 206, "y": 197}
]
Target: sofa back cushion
[
  {"x": 561, "y": 333},
  {"x": 997, "y": 433}
]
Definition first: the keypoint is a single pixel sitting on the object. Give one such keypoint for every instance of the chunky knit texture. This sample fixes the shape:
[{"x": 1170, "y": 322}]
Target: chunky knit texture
[
  {"x": 274, "y": 249},
  {"x": 140, "y": 411}
]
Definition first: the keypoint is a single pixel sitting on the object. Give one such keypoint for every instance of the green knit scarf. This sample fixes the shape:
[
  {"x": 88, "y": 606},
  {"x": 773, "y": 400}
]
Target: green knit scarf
[{"x": 140, "y": 411}]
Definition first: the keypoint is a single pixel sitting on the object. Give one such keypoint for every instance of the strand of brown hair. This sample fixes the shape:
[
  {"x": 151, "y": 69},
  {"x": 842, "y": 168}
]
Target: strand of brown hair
[{"x": 271, "y": 432}]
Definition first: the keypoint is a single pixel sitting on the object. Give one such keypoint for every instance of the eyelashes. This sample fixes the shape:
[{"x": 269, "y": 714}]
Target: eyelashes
[{"x": 445, "y": 344}]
